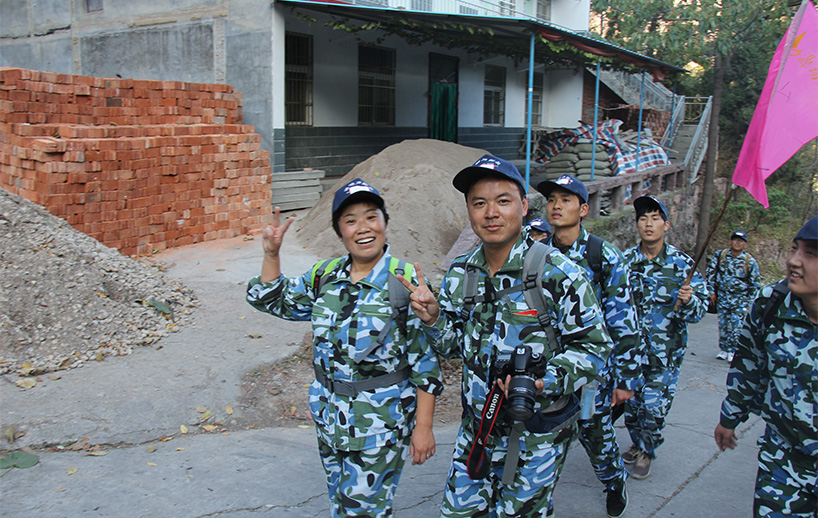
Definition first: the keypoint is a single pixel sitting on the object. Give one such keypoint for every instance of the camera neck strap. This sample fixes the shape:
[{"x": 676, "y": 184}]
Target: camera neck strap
[{"x": 479, "y": 460}]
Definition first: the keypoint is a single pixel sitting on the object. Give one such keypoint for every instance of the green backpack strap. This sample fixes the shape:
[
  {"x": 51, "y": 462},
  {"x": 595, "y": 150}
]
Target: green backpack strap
[{"x": 317, "y": 278}]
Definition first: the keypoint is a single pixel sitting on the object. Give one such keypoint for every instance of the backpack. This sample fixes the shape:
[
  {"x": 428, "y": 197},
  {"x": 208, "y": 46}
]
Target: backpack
[
  {"x": 532, "y": 288},
  {"x": 777, "y": 297},
  {"x": 593, "y": 253},
  {"x": 720, "y": 257},
  {"x": 398, "y": 295}
]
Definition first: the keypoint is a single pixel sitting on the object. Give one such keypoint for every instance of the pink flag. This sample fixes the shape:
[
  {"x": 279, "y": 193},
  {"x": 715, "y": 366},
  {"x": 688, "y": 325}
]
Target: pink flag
[{"x": 786, "y": 116}]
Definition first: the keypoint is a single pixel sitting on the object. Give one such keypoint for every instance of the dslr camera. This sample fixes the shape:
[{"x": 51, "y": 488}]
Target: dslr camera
[{"x": 524, "y": 367}]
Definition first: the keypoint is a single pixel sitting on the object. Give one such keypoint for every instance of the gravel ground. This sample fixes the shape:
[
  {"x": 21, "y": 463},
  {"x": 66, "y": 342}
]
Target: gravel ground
[{"x": 66, "y": 299}]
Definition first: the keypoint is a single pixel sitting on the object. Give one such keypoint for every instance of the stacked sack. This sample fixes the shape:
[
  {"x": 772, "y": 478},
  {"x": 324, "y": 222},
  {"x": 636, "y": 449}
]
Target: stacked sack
[{"x": 579, "y": 161}]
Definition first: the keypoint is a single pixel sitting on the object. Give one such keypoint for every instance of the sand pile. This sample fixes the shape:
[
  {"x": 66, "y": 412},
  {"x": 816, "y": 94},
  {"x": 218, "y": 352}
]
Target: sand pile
[
  {"x": 426, "y": 213},
  {"x": 65, "y": 298}
]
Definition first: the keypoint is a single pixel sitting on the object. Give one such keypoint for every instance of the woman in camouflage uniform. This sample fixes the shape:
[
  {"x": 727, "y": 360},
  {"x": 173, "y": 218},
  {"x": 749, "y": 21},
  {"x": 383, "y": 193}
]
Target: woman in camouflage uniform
[{"x": 376, "y": 381}]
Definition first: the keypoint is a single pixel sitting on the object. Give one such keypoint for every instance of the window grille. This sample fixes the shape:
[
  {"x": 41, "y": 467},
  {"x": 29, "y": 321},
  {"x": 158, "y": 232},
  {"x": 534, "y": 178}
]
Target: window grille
[
  {"x": 506, "y": 7},
  {"x": 544, "y": 10},
  {"x": 376, "y": 86},
  {"x": 422, "y": 5},
  {"x": 298, "y": 89},
  {"x": 494, "y": 96},
  {"x": 467, "y": 10}
]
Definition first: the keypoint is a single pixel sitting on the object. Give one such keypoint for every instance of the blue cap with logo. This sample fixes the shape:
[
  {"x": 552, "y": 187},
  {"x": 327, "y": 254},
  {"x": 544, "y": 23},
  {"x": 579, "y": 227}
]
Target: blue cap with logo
[
  {"x": 486, "y": 166},
  {"x": 540, "y": 224},
  {"x": 650, "y": 203},
  {"x": 739, "y": 234},
  {"x": 356, "y": 190},
  {"x": 567, "y": 182},
  {"x": 809, "y": 231}
]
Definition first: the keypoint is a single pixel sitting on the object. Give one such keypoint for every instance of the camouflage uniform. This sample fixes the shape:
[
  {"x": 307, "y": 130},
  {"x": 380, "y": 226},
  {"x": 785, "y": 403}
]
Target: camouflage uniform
[
  {"x": 735, "y": 289},
  {"x": 363, "y": 439},
  {"x": 624, "y": 367},
  {"x": 775, "y": 374},
  {"x": 655, "y": 285},
  {"x": 493, "y": 328}
]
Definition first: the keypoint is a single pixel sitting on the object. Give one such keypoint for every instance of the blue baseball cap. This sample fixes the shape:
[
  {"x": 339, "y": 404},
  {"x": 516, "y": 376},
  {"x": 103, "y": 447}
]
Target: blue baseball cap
[
  {"x": 540, "y": 224},
  {"x": 739, "y": 234},
  {"x": 356, "y": 190},
  {"x": 650, "y": 203},
  {"x": 567, "y": 182},
  {"x": 486, "y": 166},
  {"x": 809, "y": 231}
]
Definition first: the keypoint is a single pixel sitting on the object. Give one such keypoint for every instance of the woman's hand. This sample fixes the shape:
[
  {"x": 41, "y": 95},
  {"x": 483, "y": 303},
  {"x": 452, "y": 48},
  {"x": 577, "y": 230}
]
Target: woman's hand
[
  {"x": 273, "y": 235},
  {"x": 422, "y": 444},
  {"x": 424, "y": 303}
]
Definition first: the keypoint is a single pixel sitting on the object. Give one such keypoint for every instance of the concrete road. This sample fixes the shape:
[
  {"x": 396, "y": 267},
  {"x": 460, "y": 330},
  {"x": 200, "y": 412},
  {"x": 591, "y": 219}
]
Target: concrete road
[{"x": 131, "y": 403}]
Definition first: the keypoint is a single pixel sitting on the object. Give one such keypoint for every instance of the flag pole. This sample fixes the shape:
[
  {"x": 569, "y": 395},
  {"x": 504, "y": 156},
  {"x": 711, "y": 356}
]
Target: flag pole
[{"x": 701, "y": 252}]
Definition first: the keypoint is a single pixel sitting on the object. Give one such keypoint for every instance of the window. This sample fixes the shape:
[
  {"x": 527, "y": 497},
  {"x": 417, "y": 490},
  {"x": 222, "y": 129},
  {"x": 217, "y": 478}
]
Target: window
[
  {"x": 422, "y": 5},
  {"x": 467, "y": 10},
  {"x": 506, "y": 7},
  {"x": 536, "y": 101},
  {"x": 376, "y": 86},
  {"x": 494, "y": 96},
  {"x": 298, "y": 81},
  {"x": 93, "y": 6},
  {"x": 544, "y": 10}
]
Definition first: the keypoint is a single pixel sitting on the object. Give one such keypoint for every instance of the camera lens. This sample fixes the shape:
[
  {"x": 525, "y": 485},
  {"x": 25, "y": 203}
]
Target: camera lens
[{"x": 521, "y": 393}]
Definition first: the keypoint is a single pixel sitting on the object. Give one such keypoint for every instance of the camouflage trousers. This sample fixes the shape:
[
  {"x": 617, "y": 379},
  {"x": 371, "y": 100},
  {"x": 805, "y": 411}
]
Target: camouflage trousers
[
  {"x": 786, "y": 483},
  {"x": 730, "y": 321},
  {"x": 646, "y": 411},
  {"x": 362, "y": 483},
  {"x": 598, "y": 436},
  {"x": 542, "y": 457}
]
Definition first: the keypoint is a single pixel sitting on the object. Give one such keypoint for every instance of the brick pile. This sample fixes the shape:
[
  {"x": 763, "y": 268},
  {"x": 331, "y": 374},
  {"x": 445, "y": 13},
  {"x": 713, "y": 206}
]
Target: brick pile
[{"x": 139, "y": 165}]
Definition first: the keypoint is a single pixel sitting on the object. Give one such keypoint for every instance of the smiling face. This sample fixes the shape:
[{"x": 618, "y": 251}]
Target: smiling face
[
  {"x": 802, "y": 268},
  {"x": 565, "y": 209},
  {"x": 652, "y": 227},
  {"x": 363, "y": 231},
  {"x": 737, "y": 245},
  {"x": 496, "y": 211}
]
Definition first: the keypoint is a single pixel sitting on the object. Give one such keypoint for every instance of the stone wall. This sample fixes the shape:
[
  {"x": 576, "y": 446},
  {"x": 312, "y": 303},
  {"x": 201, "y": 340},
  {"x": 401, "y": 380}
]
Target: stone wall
[{"x": 139, "y": 165}]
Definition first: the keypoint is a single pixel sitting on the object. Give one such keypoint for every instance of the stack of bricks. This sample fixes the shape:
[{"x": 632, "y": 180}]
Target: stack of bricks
[{"x": 139, "y": 165}]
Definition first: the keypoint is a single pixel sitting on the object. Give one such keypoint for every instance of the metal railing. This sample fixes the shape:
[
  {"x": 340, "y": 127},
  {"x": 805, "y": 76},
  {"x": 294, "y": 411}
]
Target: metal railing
[{"x": 698, "y": 111}]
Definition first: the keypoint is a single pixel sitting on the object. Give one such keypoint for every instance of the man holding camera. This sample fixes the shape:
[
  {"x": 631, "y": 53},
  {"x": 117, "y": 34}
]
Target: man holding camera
[
  {"x": 566, "y": 206},
  {"x": 509, "y": 453}
]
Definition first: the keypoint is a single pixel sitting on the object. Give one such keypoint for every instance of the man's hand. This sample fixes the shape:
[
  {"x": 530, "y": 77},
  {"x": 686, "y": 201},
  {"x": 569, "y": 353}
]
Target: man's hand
[
  {"x": 685, "y": 293},
  {"x": 725, "y": 437},
  {"x": 539, "y": 384},
  {"x": 424, "y": 303}
]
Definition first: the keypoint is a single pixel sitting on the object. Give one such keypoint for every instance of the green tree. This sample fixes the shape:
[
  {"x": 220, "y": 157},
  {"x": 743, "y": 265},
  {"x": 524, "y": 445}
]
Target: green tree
[{"x": 711, "y": 34}]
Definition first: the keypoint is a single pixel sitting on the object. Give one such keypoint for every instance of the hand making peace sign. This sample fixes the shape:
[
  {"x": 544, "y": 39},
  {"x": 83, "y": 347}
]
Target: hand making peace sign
[
  {"x": 424, "y": 303},
  {"x": 273, "y": 235}
]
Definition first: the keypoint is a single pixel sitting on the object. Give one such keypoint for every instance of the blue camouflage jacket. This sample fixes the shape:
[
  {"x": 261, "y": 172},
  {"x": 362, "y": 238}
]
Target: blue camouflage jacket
[
  {"x": 655, "y": 285},
  {"x": 493, "y": 328},
  {"x": 775, "y": 374},
  {"x": 624, "y": 367},
  {"x": 346, "y": 319},
  {"x": 735, "y": 287}
]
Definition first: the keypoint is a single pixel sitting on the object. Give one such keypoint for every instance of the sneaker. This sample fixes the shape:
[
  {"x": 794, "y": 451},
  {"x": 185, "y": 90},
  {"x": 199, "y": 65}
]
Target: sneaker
[
  {"x": 722, "y": 355},
  {"x": 616, "y": 500},
  {"x": 729, "y": 357},
  {"x": 629, "y": 457},
  {"x": 641, "y": 468}
]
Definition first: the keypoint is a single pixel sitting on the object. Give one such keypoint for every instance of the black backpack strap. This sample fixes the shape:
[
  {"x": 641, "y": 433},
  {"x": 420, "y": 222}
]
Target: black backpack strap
[
  {"x": 470, "y": 296},
  {"x": 770, "y": 311},
  {"x": 534, "y": 292},
  {"x": 593, "y": 253}
]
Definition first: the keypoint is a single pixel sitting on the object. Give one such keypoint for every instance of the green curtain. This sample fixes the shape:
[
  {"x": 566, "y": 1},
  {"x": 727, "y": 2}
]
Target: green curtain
[{"x": 443, "y": 123}]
